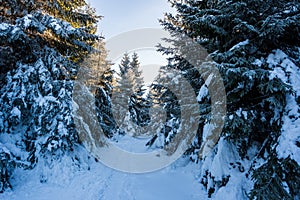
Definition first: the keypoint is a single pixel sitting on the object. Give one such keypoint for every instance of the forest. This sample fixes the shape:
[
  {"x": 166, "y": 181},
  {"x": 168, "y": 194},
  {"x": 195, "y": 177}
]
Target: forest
[{"x": 227, "y": 101}]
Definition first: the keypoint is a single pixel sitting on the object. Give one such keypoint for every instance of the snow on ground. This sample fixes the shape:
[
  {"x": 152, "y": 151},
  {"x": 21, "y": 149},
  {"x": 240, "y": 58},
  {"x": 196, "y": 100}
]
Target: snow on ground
[
  {"x": 88, "y": 179},
  {"x": 126, "y": 142},
  {"x": 94, "y": 181}
]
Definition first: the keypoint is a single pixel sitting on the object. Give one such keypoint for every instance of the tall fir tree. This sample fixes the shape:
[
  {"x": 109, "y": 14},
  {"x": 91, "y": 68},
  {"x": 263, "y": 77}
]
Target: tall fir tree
[
  {"x": 140, "y": 106},
  {"x": 122, "y": 93},
  {"x": 44, "y": 41},
  {"x": 163, "y": 98},
  {"x": 241, "y": 36},
  {"x": 135, "y": 65},
  {"x": 130, "y": 83},
  {"x": 98, "y": 75}
]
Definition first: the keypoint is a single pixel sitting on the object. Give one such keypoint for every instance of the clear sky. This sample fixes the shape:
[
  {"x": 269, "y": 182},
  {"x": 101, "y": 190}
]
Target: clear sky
[{"x": 126, "y": 15}]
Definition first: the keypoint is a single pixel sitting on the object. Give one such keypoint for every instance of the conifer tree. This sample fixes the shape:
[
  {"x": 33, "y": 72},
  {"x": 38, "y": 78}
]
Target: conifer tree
[
  {"x": 125, "y": 64},
  {"x": 44, "y": 41},
  {"x": 135, "y": 65},
  {"x": 96, "y": 69},
  {"x": 97, "y": 74},
  {"x": 163, "y": 98},
  {"x": 122, "y": 93},
  {"x": 131, "y": 83},
  {"x": 241, "y": 35},
  {"x": 140, "y": 106}
]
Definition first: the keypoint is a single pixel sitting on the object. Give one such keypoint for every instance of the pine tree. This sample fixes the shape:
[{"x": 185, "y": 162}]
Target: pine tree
[
  {"x": 129, "y": 96},
  {"x": 96, "y": 69},
  {"x": 163, "y": 98},
  {"x": 135, "y": 65},
  {"x": 240, "y": 35},
  {"x": 44, "y": 42},
  {"x": 96, "y": 73},
  {"x": 122, "y": 93},
  {"x": 125, "y": 64},
  {"x": 140, "y": 106},
  {"x": 158, "y": 117},
  {"x": 173, "y": 93}
]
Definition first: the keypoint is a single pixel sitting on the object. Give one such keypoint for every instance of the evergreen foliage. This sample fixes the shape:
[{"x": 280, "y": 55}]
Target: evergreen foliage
[
  {"x": 240, "y": 35},
  {"x": 163, "y": 98},
  {"x": 97, "y": 74},
  {"x": 277, "y": 179},
  {"x": 139, "y": 106},
  {"x": 43, "y": 42},
  {"x": 254, "y": 44},
  {"x": 129, "y": 95}
]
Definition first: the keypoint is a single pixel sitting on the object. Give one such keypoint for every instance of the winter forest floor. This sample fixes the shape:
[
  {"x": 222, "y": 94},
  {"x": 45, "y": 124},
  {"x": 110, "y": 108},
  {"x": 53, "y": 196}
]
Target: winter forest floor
[{"x": 96, "y": 181}]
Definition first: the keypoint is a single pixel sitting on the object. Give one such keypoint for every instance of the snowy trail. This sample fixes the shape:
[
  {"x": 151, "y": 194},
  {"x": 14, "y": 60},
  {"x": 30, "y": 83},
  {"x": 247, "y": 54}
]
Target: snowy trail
[{"x": 98, "y": 182}]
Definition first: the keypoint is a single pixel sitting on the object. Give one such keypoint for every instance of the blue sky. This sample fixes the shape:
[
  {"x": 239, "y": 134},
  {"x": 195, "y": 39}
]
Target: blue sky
[{"x": 126, "y": 15}]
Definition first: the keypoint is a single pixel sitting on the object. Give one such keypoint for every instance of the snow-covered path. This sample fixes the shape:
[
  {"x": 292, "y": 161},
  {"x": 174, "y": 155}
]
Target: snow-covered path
[{"x": 94, "y": 181}]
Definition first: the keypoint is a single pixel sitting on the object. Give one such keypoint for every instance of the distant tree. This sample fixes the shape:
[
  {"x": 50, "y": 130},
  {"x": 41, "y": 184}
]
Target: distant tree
[
  {"x": 136, "y": 67},
  {"x": 173, "y": 94},
  {"x": 140, "y": 106},
  {"x": 131, "y": 83},
  {"x": 163, "y": 98},
  {"x": 125, "y": 65},
  {"x": 96, "y": 69},
  {"x": 98, "y": 75},
  {"x": 122, "y": 94}
]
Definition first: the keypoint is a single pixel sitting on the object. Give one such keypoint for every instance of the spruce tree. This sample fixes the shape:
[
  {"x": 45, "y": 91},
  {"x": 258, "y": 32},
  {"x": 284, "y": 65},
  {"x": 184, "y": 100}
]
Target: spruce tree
[
  {"x": 129, "y": 95},
  {"x": 240, "y": 36},
  {"x": 163, "y": 98},
  {"x": 97, "y": 74},
  {"x": 125, "y": 64},
  {"x": 140, "y": 106},
  {"x": 122, "y": 92},
  {"x": 174, "y": 95},
  {"x": 44, "y": 41},
  {"x": 135, "y": 65}
]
